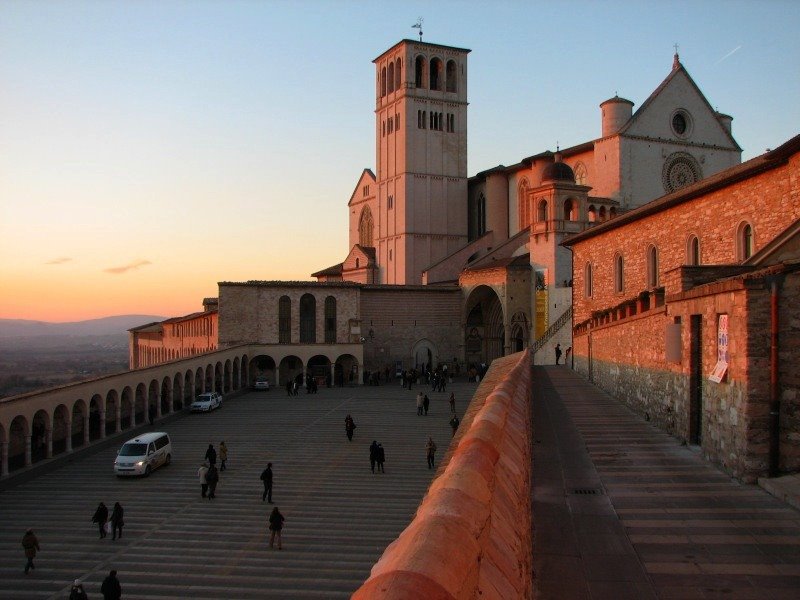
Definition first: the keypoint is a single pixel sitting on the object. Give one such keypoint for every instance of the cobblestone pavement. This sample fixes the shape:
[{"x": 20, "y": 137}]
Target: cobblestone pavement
[
  {"x": 623, "y": 511},
  {"x": 339, "y": 515}
]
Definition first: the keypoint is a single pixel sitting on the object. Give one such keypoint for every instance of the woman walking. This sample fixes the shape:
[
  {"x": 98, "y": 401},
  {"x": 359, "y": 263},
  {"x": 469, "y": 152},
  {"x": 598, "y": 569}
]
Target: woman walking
[
  {"x": 117, "y": 521},
  {"x": 100, "y": 517},
  {"x": 275, "y": 526}
]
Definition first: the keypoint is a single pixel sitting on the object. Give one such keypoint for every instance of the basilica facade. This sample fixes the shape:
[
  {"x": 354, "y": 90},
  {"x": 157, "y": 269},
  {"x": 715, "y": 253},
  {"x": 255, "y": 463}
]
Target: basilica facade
[{"x": 446, "y": 267}]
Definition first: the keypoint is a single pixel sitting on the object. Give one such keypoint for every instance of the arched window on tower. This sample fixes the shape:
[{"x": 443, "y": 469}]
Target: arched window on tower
[
  {"x": 390, "y": 78},
  {"x": 619, "y": 273},
  {"x": 365, "y": 227},
  {"x": 580, "y": 173},
  {"x": 451, "y": 74},
  {"x": 744, "y": 241},
  {"x": 436, "y": 74},
  {"x": 570, "y": 210},
  {"x": 397, "y": 77},
  {"x": 330, "y": 320},
  {"x": 284, "y": 320},
  {"x": 523, "y": 204},
  {"x": 602, "y": 213},
  {"x": 383, "y": 81},
  {"x": 693, "y": 250},
  {"x": 308, "y": 319},
  {"x": 652, "y": 266},
  {"x": 591, "y": 213},
  {"x": 419, "y": 72},
  {"x": 541, "y": 211}
]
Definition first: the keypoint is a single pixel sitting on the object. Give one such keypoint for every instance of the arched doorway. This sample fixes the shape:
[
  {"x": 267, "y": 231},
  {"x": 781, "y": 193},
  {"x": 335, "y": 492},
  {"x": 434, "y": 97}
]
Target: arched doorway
[
  {"x": 424, "y": 355},
  {"x": 262, "y": 366},
  {"x": 346, "y": 370},
  {"x": 79, "y": 419},
  {"x": 236, "y": 380},
  {"x": 188, "y": 388},
  {"x": 290, "y": 367},
  {"x": 319, "y": 367},
  {"x": 40, "y": 431},
  {"x": 228, "y": 376},
  {"x": 95, "y": 417},
  {"x": 177, "y": 392},
  {"x": 519, "y": 332},
  {"x": 484, "y": 330},
  {"x": 126, "y": 409},
  {"x": 208, "y": 386},
  {"x": 166, "y": 395},
  {"x": 140, "y": 407},
  {"x": 112, "y": 406},
  {"x": 17, "y": 443},
  {"x": 60, "y": 429}
]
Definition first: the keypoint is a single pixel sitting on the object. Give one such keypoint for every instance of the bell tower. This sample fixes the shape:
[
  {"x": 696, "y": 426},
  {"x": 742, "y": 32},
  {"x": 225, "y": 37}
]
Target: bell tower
[{"x": 421, "y": 157}]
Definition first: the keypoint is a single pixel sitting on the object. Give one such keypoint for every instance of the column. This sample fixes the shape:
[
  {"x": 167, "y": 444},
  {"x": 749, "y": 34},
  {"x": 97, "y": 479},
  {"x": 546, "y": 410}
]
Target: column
[
  {"x": 69, "y": 434},
  {"x": 333, "y": 374},
  {"x": 49, "y": 440},
  {"x": 86, "y": 430},
  {"x": 277, "y": 382},
  {"x": 28, "y": 451},
  {"x": 3, "y": 459},
  {"x": 158, "y": 407},
  {"x": 118, "y": 407},
  {"x": 103, "y": 423}
]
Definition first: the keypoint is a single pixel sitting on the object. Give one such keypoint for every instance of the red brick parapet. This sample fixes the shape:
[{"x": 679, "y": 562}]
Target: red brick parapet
[{"x": 471, "y": 535}]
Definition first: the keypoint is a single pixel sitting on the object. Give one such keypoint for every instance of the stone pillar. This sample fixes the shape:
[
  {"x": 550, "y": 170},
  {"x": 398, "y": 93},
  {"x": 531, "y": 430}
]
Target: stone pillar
[
  {"x": 28, "y": 461},
  {"x": 119, "y": 415},
  {"x": 333, "y": 374},
  {"x": 3, "y": 459},
  {"x": 103, "y": 423},
  {"x": 49, "y": 440},
  {"x": 68, "y": 447},
  {"x": 158, "y": 407},
  {"x": 86, "y": 430}
]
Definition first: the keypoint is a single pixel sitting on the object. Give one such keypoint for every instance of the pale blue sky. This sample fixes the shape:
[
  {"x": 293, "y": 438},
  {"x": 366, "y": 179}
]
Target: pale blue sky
[{"x": 196, "y": 142}]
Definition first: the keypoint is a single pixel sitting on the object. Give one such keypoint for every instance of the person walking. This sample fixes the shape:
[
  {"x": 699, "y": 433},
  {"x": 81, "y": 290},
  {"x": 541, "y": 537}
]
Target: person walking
[
  {"x": 211, "y": 455},
  {"x": 76, "y": 592},
  {"x": 275, "y": 526},
  {"x": 558, "y": 352},
  {"x": 117, "y": 521},
  {"x": 426, "y": 402},
  {"x": 31, "y": 545},
  {"x": 202, "y": 474},
  {"x": 430, "y": 450},
  {"x": 381, "y": 458},
  {"x": 419, "y": 403},
  {"x": 373, "y": 455},
  {"x": 223, "y": 455},
  {"x": 100, "y": 517},
  {"x": 349, "y": 427},
  {"x": 454, "y": 423},
  {"x": 212, "y": 477},
  {"x": 452, "y": 402},
  {"x": 266, "y": 477},
  {"x": 111, "y": 588}
]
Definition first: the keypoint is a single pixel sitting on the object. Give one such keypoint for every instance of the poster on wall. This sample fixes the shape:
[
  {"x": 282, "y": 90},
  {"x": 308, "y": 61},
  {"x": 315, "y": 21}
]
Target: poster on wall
[{"x": 721, "y": 367}]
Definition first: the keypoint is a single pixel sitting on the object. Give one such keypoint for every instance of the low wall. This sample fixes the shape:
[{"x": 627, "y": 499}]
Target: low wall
[{"x": 471, "y": 536}]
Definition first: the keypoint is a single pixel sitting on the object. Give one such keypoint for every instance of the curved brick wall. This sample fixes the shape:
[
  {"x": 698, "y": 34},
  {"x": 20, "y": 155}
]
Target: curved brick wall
[{"x": 471, "y": 537}]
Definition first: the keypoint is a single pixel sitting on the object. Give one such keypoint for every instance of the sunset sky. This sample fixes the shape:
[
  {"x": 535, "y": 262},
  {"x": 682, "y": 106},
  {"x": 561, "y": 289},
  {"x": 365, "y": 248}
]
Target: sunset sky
[{"x": 151, "y": 149}]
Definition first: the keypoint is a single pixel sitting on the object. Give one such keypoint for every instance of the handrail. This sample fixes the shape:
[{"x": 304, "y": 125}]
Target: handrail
[{"x": 552, "y": 330}]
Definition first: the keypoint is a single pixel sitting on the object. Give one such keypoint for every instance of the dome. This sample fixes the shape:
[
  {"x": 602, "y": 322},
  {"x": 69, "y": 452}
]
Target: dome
[{"x": 558, "y": 171}]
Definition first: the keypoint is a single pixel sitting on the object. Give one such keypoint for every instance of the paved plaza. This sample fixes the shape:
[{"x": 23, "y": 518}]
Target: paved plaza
[
  {"x": 339, "y": 516},
  {"x": 622, "y": 511}
]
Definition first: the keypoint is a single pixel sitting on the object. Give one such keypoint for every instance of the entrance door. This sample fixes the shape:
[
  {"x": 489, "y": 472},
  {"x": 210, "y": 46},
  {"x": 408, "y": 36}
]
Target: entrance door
[{"x": 696, "y": 380}]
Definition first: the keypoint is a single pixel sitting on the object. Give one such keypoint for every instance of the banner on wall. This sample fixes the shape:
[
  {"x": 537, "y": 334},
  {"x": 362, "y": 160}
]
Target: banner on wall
[{"x": 722, "y": 350}]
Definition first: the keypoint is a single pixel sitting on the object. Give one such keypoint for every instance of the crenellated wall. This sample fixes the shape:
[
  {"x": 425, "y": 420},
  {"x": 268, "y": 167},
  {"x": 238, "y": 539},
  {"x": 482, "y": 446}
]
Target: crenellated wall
[{"x": 471, "y": 537}]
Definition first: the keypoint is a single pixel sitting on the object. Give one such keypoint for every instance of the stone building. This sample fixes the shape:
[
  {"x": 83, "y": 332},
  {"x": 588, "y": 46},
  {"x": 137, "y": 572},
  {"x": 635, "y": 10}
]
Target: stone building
[{"x": 686, "y": 308}]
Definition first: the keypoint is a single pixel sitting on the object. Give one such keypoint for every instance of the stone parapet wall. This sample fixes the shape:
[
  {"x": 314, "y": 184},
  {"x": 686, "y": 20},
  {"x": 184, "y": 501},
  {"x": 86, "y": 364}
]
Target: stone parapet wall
[{"x": 471, "y": 535}]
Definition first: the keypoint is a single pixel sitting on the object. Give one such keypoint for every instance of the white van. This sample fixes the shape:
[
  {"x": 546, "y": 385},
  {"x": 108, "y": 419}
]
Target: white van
[{"x": 144, "y": 454}]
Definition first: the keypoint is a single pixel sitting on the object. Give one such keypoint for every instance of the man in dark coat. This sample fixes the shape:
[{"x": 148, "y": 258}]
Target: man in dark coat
[
  {"x": 100, "y": 517},
  {"x": 381, "y": 458},
  {"x": 266, "y": 477},
  {"x": 373, "y": 454},
  {"x": 111, "y": 588},
  {"x": 31, "y": 545},
  {"x": 212, "y": 477},
  {"x": 211, "y": 455}
]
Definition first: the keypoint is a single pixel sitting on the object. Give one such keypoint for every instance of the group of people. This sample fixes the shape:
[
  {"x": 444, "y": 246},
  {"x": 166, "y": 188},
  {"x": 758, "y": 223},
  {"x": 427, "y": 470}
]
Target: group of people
[
  {"x": 208, "y": 474},
  {"x": 112, "y": 525},
  {"x": 377, "y": 456},
  {"x": 111, "y": 589}
]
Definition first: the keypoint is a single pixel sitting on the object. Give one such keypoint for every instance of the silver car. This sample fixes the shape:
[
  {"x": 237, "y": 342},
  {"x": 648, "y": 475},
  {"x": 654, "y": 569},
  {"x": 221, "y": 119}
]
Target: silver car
[{"x": 207, "y": 402}]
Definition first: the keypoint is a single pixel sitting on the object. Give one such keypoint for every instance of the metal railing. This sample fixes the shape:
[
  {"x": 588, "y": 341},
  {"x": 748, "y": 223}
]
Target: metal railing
[{"x": 552, "y": 330}]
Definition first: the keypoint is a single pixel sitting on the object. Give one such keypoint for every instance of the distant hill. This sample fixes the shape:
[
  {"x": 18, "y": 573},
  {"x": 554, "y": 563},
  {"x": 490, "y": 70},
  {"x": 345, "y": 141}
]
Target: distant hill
[{"x": 21, "y": 328}]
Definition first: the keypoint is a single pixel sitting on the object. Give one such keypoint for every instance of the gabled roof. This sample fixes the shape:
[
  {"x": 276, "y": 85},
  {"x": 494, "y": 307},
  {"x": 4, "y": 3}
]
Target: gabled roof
[
  {"x": 366, "y": 173},
  {"x": 754, "y": 166},
  {"x": 677, "y": 68},
  {"x": 775, "y": 245},
  {"x": 330, "y": 271}
]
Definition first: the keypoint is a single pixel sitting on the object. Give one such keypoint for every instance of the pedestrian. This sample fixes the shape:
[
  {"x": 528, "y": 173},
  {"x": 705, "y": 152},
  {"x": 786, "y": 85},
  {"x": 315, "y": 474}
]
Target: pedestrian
[
  {"x": 212, "y": 477},
  {"x": 100, "y": 517},
  {"x": 454, "y": 423},
  {"x": 151, "y": 413},
  {"x": 452, "y": 402},
  {"x": 111, "y": 588},
  {"x": 211, "y": 455},
  {"x": 426, "y": 402},
  {"x": 202, "y": 473},
  {"x": 31, "y": 545},
  {"x": 117, "y": 521},
  {"x": 558, "y": 352},
  {"x": 381, "y": 458},
  {"x": 266, "y": 477},
  {"x": 223, "y": 455},
  {"x": 275, "y": 526},
  {"x": 419, "y": 403},
  {"x": 349, "y": 427},
  {"x": 77, "y": 592},
  {"x": 430, "y": 450},
  {"x": 373, "y": 455}
]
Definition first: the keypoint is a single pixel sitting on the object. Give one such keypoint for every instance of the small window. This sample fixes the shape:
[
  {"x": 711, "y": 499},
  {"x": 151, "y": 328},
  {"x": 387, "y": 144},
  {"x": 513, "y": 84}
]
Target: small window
[
  {"x": 541, "y": 211},
  {"x": 397, "y": 76},
  {"x": 419, "y": 72},
  {"x": 390, "y": 202},
  {"x": 436, "y": 74},
  {"x": 693, "y": 250},
  {"x": 383, "y": 81},
  {"x": 390, "y": 255},
  {"x": 744, "y": 241},
  {"x": 587, "y": 280},
  {"x": 619, "y": 274},
  {"x": 390, "y": 78},
  {"x": 451, "y": 85},
  {"x": 652, "y": 267},
  {"x": 591, "y": 213}
]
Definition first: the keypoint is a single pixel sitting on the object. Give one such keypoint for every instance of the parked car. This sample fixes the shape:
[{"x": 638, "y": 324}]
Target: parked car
[
  {"x": 262, "y": 383},
  {"x": 207, "y": 402},
  {"x": 143, "y": 454}
]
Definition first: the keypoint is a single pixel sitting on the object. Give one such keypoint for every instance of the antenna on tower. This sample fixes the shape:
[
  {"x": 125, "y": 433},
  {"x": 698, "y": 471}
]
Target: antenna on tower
[{"x": 418, "y": 25}]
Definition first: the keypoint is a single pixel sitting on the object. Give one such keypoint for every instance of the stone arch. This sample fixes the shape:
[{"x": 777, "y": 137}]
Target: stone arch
[
  {"x": 219, "y": 377},
  {"x": 591, "y": 213},
  {"x": 18, "y": 444},
  {"x": 166, "y": 395},
  {"x": 227, "y": 376},
  {"x": 435, "y": 78},
  {"x": 245, "y": 369},
  {"x": 570, "y": 209},
  {"x": 177, "y": 392},
  {"x": 308, "y": 319},
  {"x": 140, "y": 404},
  {"x": 390, "y": 78},
  {"x": 61, "y": 428},
  {"x": 424, "y": 355},
  {"x": 153, "y": 397},
  {"x": 366, "y": 227},
  {"x": 127, "y": 414},
  {"x": 319, "y": 367},
  {"x": 419, "y": 71},
  {"x": 199, "y": 381},
  {"x": 236, "y": 381},
  {"x": 693, "y": 250},
  {"x": 112, "y": 411},
  {"x": 520, "y": 330},
  {"x": 451, "y": 76},
  {"x": 580, "y": 173},
  {"x": 745, "y": 241},
  {"x": 383, "y": 81},
  {"x": 188, "y": 387},
  {"x": 484, "y": 326},
  {"x": 541, "y": 210},
  {"x": 79, "y": 432},
  {"x": 41, "y": 431},
  {"x": 398, "y": 78},
  {"x": 651, "y": 257},
  {"x": 96, "y": 417},
  {"x": 602, "y": 214},
  {"x": 290, "y": 367},
  {"x": 208, "y": 382},
  {"x": 263, "y": 365},
  {"x": 345, "y": 370}
]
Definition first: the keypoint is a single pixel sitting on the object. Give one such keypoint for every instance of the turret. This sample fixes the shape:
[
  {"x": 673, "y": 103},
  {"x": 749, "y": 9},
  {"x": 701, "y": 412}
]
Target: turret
[{"x": 615, "y": 113}]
